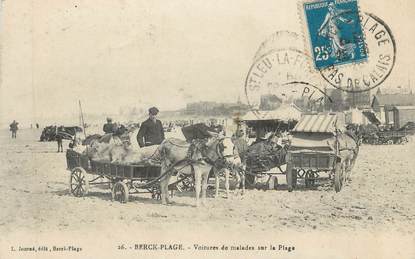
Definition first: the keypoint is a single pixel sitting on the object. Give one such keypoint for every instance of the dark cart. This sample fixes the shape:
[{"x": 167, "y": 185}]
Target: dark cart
[
  {"x": 265, "y": 153},
  {"x": 392, "y": 137},
  {"x": 319, "y": 144},
  {"x": 50, "y": 133},
  {"x": 259, "y": 162},
  {"x": 122, "y": 179}
]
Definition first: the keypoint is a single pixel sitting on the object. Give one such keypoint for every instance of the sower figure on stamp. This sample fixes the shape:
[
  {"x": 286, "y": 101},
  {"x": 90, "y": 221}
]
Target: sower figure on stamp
[
  {"x": 14, "y": 128},
  {"x": 151, "y": 131},
  {"x": 329, "y": 29}
]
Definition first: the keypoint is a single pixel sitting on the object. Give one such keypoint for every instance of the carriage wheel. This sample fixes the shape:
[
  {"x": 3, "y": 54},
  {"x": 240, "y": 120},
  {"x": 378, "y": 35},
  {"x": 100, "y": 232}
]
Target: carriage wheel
[
  {"x": 338, "y": 177},
  {"x": 185, "y": 183},
  {"x": 389, "y": 142},
  {"x": 78, "y": 183},
  {"x": 249, "y": 179},
  {"x": 291, "y": 176},
  {"x": 272, "y": 182},
  {"x": 155, "y": 192},
  {"x": 295, "y": 176},
  {"x": 120, "y": 192},
  {"x": 309, "y": 179}
]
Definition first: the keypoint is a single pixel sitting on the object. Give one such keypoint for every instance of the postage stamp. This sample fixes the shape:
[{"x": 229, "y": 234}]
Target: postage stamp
[
  {"x": 335, "y": 32},
  {"x": 381, "y": 46}
]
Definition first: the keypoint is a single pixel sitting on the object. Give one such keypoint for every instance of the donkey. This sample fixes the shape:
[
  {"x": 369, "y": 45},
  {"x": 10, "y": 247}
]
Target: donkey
[
  {"x": 348, "y": 148},
  {"x": 237, "y": 169},
  {"x": 197, "y": 159}
]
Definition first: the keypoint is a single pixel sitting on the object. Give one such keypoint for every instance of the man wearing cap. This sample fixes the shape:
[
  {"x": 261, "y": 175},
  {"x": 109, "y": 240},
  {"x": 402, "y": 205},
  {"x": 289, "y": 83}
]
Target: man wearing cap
[
  {"x": 109, "y": 127},
  {"x": 151, "y": 131}
]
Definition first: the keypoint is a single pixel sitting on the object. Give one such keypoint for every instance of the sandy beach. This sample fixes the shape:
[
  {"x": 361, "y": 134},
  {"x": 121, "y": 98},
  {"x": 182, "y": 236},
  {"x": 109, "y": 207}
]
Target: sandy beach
[{"x": 35, "y": 201}]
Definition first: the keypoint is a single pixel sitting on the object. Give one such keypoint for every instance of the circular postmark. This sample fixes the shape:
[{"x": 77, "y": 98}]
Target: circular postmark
[
  {"x": 281, "y": 74},
  {"x": 279, "y": 40},
  {"x": 364, "y": 76}
]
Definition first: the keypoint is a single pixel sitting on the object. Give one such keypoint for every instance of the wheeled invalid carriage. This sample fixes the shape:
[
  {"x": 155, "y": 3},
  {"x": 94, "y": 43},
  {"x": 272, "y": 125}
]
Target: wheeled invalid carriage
[
  {"x": 320, "y": 144},
  {"x": 122, "y": 179}
]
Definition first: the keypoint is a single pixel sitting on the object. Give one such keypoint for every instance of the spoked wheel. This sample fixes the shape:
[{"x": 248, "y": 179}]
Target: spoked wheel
[
  {"x": 307, "y": 180},
  {"x": 291, "y": 176},
  {"x": 295, "y": 176},
  {"x": 272, "y": 182},
  {"x": 339, "y": 177},
  {"x": 155, "y": 192},
  {"x": 120, "y": 192},
  {"x": 78, "y": 183},
  {"x": 310, "y": 178},
  {"x": 249, "y": 179},
  {"x": 185, "y": 182}
]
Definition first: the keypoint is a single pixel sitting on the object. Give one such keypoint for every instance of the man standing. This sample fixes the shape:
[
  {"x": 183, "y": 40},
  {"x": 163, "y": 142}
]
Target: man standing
[
  {"x": 241, "y": 144},
  {"x": 109, "y": 127},
  {"x": 14, "y": 128},
  {"x": 151, "y": 131},
  {"x": 59, "y": 137}
]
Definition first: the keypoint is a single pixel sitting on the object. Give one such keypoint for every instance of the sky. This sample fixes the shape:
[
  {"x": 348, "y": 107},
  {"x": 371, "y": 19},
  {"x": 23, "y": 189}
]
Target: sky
[{"x": 110, "y": 54}]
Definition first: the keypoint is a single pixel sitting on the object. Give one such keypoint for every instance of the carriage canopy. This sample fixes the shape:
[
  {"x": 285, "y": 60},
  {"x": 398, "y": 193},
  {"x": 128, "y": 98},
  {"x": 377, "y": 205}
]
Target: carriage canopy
[
  {"x": 283, "y": 113},
  {"x": 317, "y": 131},
  {"x": 320, "y": 123}
]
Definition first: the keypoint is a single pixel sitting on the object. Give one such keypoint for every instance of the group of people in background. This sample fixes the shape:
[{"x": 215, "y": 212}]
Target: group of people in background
[
  {"x": 13, "y": 127},
  {"x": 151, "y": 131}
]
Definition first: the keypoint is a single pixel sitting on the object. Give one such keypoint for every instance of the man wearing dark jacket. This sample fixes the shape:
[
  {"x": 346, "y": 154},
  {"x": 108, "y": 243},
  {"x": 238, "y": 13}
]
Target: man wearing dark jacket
[
  {"x": 151, "y": 131},
  {"x": 109, "y": 127},
  {"x": 14, "y": 128}
]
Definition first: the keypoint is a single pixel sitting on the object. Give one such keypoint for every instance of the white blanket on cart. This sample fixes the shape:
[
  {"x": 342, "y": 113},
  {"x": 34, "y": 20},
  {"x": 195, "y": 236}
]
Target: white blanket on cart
[{"x": 117, "y": 152}]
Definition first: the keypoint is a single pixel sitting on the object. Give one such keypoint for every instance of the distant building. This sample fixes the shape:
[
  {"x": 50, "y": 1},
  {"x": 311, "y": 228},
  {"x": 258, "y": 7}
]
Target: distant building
[
  {"x": 215, "y": 108},
  {"x": 386, "y": 106},
  {"x": 269, "y": 102},
  {"x": 307, "y": 104},
  {"x": 342, "y": 100},
  {"x": 360, "y": 100},
  {"x": 335, "y": 100},
  {"x": 401, "y": 115}
]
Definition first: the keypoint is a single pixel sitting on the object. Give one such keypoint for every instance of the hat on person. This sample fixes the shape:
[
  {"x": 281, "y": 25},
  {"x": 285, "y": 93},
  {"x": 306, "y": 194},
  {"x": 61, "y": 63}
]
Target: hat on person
[{"x": 153, "y": 111}]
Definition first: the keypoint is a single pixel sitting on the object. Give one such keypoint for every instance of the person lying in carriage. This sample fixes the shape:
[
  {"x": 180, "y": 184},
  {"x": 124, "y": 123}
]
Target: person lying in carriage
[
  {"x": 198, "y": 134},
  {"x": 199, "y": 131}
]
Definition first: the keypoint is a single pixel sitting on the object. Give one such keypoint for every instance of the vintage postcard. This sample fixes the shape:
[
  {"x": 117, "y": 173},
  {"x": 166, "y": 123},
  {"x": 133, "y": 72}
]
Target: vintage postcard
[{"x": 207, "y": 129}]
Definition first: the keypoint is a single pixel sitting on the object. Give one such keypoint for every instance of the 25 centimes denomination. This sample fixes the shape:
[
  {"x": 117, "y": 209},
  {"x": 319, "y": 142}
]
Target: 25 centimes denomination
[
  {"x": 334, "y": 31},
  {"x": 381, "y": 47}
]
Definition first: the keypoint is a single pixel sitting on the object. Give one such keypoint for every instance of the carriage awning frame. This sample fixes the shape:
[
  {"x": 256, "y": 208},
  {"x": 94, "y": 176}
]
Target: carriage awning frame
[
  {"x": 320, "y": 123},
  {"x": 284, "y": 113}
]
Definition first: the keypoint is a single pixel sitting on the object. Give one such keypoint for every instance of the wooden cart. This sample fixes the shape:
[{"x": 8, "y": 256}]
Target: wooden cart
[
  {"x": 122, "y": 179},
  {"x": 320, "y": 144}
]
